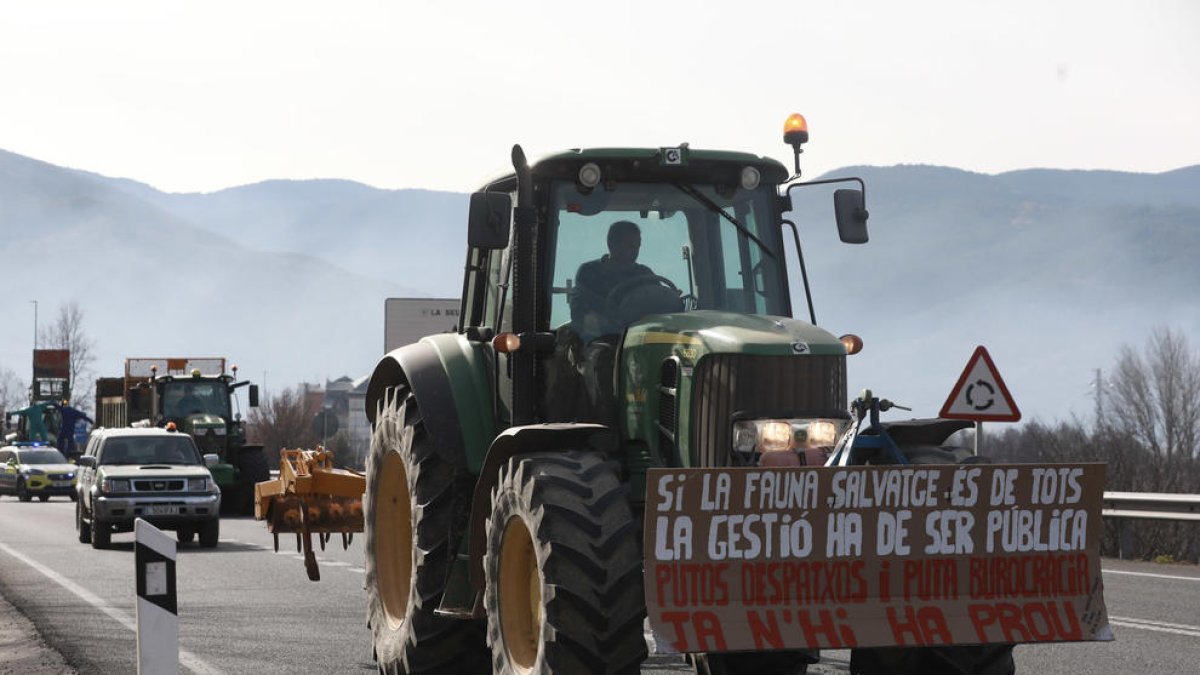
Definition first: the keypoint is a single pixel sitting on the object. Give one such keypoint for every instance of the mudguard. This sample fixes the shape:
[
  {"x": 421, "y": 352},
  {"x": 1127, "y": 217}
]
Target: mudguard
[
  {"x": 449, "y": 378},
  {"x": 517, "y": 441}
]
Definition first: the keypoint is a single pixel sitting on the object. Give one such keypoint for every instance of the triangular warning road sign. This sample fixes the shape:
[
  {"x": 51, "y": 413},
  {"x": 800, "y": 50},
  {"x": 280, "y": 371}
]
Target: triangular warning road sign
[{"x": 980, "y": 393}]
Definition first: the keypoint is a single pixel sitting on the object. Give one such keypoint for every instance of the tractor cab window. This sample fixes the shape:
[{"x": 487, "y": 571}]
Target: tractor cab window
[
  {"x": 632, "y": 249},
  {"x": 184, "y": 398}
]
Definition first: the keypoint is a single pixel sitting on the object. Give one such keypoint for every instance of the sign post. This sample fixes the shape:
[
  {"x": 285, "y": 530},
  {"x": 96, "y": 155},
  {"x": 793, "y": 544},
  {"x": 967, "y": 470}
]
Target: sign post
[
  {"x": 980, "y": 395},
  {"x": 157, "y": 609}
]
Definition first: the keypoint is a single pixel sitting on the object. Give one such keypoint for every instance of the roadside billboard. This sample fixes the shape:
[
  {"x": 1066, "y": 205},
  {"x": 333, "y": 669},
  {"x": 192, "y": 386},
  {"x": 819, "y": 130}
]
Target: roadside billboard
[
  {"x": 51, "y": 375},
  {"x": 406, "y": 320}
]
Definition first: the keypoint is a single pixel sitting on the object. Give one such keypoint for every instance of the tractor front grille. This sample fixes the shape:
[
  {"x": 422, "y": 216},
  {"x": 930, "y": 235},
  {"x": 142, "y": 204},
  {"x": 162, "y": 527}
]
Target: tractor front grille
[
  {"x": 752, "y": 386},
  {"x": 210, "y": 443}
]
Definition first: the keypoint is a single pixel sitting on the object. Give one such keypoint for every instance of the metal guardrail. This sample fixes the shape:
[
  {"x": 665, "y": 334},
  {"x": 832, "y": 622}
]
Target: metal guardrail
[
  {"x": 1151, "y": 506},
  {"x": 1129, "y": 507}
]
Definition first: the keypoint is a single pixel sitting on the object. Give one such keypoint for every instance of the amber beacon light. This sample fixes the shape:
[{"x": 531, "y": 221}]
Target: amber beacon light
[{"x": 795, "y": 130}]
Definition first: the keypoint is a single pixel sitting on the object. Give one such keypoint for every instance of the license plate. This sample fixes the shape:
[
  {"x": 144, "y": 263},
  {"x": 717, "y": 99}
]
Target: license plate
[
  {"x": 62, "y": 483},
  {"x": 162, "y": 510}
]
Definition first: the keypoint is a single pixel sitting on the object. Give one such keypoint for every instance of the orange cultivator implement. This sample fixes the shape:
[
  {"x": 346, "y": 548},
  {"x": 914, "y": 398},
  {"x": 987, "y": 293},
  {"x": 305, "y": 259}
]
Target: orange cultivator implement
[{"x": 311, "y": 497}]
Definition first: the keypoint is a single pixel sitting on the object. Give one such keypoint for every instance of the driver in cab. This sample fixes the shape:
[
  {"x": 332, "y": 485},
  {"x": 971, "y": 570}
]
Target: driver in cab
[
  {"x": 189, "y": 403},
  {"x": 595, "y": 280}
]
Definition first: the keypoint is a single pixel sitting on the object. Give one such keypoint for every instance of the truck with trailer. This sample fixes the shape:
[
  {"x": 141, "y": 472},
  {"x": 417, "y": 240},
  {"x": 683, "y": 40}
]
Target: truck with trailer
[
  {"x": 541, "y": 485},
  {"x": 198, "y": 397}
]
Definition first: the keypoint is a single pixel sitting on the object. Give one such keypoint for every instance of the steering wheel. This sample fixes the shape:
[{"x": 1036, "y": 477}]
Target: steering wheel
[{"x": 617, "y": 295}]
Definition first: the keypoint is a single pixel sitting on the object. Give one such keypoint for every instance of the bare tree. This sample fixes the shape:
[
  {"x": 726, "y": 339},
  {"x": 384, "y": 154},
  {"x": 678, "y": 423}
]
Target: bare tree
[
  {"x": 1155, "y": 397},
  {"x": 285, "y": 420},
  {"x": 66, "y": 332},
  {"x": 13, "y": 393}
]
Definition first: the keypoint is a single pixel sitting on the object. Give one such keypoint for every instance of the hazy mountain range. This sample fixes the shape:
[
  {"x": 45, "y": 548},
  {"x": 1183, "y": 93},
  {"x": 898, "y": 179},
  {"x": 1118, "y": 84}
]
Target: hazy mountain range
[{"x": 1051, "y": 270}]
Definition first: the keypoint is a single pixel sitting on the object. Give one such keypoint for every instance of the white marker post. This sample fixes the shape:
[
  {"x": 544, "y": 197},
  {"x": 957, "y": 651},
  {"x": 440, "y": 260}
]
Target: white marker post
[{"x": 157, "y": 611}]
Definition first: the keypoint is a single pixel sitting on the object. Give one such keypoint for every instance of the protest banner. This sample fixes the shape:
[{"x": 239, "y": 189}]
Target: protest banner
[{"x": 874, "y": 556}]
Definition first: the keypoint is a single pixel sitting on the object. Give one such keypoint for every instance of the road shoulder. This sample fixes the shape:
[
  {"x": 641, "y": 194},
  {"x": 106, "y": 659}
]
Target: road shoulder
[{"x": 22, "y": 649}]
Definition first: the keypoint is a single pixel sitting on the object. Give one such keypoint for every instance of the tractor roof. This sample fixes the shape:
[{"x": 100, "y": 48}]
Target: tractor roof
[{"x": 649, "y": 164}]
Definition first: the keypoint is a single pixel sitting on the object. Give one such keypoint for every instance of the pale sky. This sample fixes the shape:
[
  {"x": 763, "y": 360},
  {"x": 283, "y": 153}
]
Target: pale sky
[{"x": 198, "y": 96}]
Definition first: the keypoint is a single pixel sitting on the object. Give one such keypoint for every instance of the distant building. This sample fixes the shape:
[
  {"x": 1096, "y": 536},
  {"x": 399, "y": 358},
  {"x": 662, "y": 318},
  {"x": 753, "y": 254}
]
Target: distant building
[{"x": 346, "y": 399}]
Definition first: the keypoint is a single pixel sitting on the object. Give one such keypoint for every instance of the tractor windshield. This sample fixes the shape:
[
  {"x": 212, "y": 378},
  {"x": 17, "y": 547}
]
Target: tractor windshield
[
  {"x": 630, "y": 249},
  {"x": 183, "y": 398}
]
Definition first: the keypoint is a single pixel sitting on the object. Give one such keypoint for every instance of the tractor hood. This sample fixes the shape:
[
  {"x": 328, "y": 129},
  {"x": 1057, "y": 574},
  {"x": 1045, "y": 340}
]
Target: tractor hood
[
  {"x": 726, "y": 363},
  {"x": 691, "y": 335}
]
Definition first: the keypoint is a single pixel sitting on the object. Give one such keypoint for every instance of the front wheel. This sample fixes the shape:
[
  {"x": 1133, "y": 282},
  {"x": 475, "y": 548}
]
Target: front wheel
[
  {"x": 84, "y": 530},
  {"x": 210, "y": 533},
  {"x": 791, "y": 662},
  {"x": 563, "y": 569},
  {"x": 101, "y": 534}
]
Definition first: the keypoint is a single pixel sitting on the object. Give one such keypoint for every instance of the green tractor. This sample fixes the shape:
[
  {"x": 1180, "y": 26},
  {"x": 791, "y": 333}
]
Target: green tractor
[
  {"x": 623, "y": 310},
  {"x": 197, "y": 397}
]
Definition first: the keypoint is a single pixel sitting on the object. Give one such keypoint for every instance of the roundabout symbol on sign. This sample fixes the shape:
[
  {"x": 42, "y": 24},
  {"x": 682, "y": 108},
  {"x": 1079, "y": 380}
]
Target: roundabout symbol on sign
[{"x": 991, "y": 395}]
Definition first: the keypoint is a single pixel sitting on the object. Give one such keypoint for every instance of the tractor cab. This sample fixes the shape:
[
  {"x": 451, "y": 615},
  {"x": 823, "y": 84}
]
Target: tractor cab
[{"x": 651, "y": 259}]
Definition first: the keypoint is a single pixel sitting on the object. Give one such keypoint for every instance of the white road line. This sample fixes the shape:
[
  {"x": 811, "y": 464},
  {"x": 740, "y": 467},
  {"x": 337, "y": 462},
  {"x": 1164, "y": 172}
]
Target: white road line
[
  {"x": 186, "y": 659},
  {"x": 1152, "y": 622},
  {"x": 356, "y": 569},
  {"x": 1151, "y": 574},
  {"x": 1157, "y": 626}
]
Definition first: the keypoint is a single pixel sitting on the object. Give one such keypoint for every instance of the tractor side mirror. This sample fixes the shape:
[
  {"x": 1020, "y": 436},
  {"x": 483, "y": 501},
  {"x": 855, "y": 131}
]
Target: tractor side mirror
[
  {"x": 851, "y": 213},
  {"x": 489, "y": 220},
  {"x": 253, "y": 395}
]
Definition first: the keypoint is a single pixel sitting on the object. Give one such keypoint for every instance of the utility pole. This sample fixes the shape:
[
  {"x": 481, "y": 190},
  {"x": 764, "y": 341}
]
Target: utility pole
[
  {"x": 1098, "y": 385},
  {"x": 35, "y": 324}
]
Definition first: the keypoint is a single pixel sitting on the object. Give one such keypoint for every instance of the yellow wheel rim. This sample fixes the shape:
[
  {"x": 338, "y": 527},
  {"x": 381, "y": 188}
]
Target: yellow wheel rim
[
  {"x": 520, "y": 595},
  {"x": 393, "y": 540}
]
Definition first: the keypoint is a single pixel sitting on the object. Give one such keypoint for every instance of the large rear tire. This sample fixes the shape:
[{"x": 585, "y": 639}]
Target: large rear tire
[
  {"x": 253, "y": 468},
  {"x": 411, "y": 519},
  {"x": 563, "y": 569},
  {"x": 956, "y": 660}
]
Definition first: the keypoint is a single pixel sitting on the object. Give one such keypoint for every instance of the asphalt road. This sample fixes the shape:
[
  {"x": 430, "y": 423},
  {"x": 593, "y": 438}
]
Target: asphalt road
[{"x": 244, "y": 608}]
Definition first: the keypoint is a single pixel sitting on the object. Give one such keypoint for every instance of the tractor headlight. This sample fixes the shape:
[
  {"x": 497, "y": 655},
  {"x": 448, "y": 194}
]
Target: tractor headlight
[
  {"x": 783, "y": 435},
  {"x": 774, "y": 436}
]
